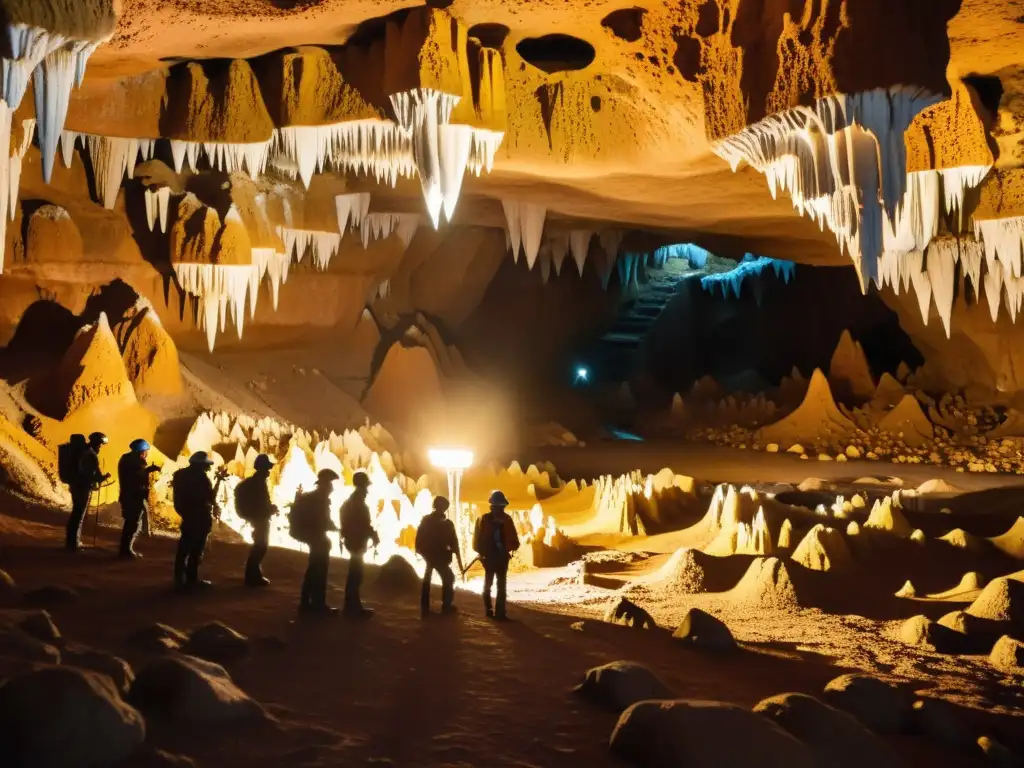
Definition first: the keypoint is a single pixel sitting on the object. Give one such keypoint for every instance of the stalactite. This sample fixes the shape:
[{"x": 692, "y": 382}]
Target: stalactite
[{"x": 525, "y": 223}]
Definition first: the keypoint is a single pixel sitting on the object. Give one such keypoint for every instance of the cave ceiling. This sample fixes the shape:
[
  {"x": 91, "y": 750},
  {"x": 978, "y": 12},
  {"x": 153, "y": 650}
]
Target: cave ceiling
[{"x": 661, "y": 118}]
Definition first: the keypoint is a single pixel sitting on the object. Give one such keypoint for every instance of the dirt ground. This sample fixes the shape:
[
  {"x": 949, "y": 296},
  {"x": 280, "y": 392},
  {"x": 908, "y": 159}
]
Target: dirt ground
[{"x": 398, "y": 689}]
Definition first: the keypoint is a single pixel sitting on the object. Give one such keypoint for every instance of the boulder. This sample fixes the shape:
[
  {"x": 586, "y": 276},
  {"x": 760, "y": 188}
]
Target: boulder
[
  {"x": 702, "y": 630},
  {"x": 628, "y": 613},
  {"x": 38, "y": 624},
  {"x": 59, "y": 717},
  {"x": 878, "y": 705},
  {"x": 157, "y": 638},
  {"x": 996, "y": 754},
  {"x": 16, "y": 644},
  {"x": 704, "y": 734},
  {"x": 621, "y": 684},
  {"x": 187, "y": 689},
  {"x": 398, "y": 575},
  {"x": 834, "y": 736},
  {"x": 979, "y": 635},
  {"x": 1008, "y": 654},
  {"x": 922, "y": 632},
  {"x": 940, "y": 721},
  {"x": 53, "y": 594},
  {"x": 218, "y": 643},
  {"x": 83, "y": 657}
]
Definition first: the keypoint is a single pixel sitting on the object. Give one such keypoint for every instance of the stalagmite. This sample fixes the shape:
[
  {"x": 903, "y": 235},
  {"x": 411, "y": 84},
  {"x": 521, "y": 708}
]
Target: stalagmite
[
  {"x": 579, "y": 244},
  {"x": 52, "y": 81},
  {"x": 525, "y": 227},
  {"x": 352, "y": 209},
  {"x": 157, "y": 204}
]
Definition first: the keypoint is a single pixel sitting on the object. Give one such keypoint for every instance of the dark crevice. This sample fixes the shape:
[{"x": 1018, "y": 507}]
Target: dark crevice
[
  {"x": 556, "y": 53},
  {"x": 626, "y": 23},
  {"x": 989, "y": 89},
  {"x": 490, "y": 35}
]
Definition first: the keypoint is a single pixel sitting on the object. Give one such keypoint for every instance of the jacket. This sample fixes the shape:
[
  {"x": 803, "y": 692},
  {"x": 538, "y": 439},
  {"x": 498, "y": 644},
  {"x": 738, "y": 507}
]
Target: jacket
[
  {"x": 436, "y": 540},
  {"x": 495, "y": 536},
  {"x": 133, "y": 481},
  {"x": 356, "y": 526},
  {"x": 194, "y": 498},
  {"x": 89, "y": 474},
  {"x": 252, "y": 499}
]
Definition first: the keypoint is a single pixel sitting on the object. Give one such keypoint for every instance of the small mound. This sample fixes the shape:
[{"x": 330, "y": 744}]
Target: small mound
[
  {"x": 767, "y": 584},
  {"x": 702, "y": 630},
  {"x": 887, "y": 517},
  {"x": 961, "y": 539},
  {"x": 823, "y": 549},
  {"x": 1001, "y": 600},
  {"x": 817, "y": 420},
  {"x": 91, "y": 370},
  {"x": 936, "y": 486},
  {"x": 397, "y": 574},
  {"x": 1011, "y": 542},
  {"x": 972, "y": 581},
  {"x": 888, "y": 393},
  {"x": 190, "y": 690},
  {"x": 907, "y": 590},
  {"x": 881, "y": 707},
  {"x": 1008, "y": 654},
  {"x": 908, "y": 422},
  {"x": 922, "y": 632},
  {"x": 685, "y": 571},
  {"x": 218, "y": 643},
  {"x": 848, "y": 372}
]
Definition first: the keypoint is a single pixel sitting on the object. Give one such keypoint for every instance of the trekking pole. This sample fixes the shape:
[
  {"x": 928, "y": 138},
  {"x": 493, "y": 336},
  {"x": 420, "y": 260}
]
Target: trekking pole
[{"x": 94, "y": 502}]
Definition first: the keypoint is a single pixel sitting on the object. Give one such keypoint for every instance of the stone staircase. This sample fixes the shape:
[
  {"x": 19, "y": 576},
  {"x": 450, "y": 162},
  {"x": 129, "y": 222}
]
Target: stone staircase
[{"x": 612, "y": 357}]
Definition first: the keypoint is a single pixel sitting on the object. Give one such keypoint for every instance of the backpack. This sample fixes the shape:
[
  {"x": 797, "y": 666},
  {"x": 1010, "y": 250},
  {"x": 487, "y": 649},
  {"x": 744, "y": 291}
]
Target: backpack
[
  {"x": 247, "y": 498},
  {"x": 69, "y": 459},
  {"x": 303, "y": 518}
]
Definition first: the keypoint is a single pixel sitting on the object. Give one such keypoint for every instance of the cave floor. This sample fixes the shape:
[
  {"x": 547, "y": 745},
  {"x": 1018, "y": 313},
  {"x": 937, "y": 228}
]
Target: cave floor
[{"x": 398, "y": 690}]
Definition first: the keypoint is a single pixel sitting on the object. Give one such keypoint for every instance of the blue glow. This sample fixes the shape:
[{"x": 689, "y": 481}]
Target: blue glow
[
  {"x": 582, "y": 374},
  {"x": 751, "y": 265},
  {"x": 694, "y": 254}
]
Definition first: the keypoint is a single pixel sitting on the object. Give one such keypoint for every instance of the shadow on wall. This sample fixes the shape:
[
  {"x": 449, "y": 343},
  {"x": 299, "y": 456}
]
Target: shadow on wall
[{"x": 745, "y": 343}]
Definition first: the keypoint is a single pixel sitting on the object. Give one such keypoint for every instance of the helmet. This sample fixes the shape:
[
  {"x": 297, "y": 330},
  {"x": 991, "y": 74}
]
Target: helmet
[
  {"x": 139, "y": 446},
  {"x": 326, "y": 476},
  {"x": 361, "y": 480},
  {"x": 199, "y": 458},
  {"x": 263, "y": 462},
  {"x": 497, "y": 499},
  {"x": 98, "y": 438},
  {"x": 441, "y": 504}
]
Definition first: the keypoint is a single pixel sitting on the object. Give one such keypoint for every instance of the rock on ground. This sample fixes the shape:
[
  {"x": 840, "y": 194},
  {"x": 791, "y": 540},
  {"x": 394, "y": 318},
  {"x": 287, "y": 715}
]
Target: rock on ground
[
  {"x": 939, "y": 721},
  {"x": 6, "y": 582},
  {"x": 1008, "y": 654},
  {"x": 16, "y": 644},
  {"x": 58, "y": 717},
  {"x": 38, "y": 624},
  {"x": 399, "y": 575},
  {"x": 157, "y": 638},
  {"x": 187, "y": 689},
  {"x": 117, "y": 669},
  {"x": 702, "y": 630},
  {"x": 621, "y": 683},
  {"x": 878, "y": 705},
  {"x": 1001, "y": 600},
  {"x": 218, "y": 643},
  {"x": 626, "y": 612},
  {"x": 704, "y": 734},
  {"x": 834, "y": 736}
]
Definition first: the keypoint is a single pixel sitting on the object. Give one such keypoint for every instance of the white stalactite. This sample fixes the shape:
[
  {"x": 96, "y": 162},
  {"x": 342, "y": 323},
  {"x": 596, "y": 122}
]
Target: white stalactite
[
  {"x": 322, "y": 245},
  {"x": 352, "y": 209},
  {"x": 6, "y": 114},
  {"x": 484, "y": 148},
  {"x": 941, "y": 270},
  {"x": 455, "y": 143},
  {"x": 157, "y": 205},
  {"x": 1004, "y": 242},
  {"x": 261, "y": 258},
  {"x": 217, "y": 289},
  {"x": 28, "y": 127},
  {"x": 52, "y": 81},
  {"x": 579, "y": 244},
  {"x": 611, "y": 239},
  {"x": 277, "y": 272},
  {"x": 559, "y": 250},
  {"x": 828, "y": 158},
  {"x": 250, "y": 158},
  {"x": 525, "y": 223},
  {"x": 28, "y": 47},
  {"x": 380, "y": 226}
]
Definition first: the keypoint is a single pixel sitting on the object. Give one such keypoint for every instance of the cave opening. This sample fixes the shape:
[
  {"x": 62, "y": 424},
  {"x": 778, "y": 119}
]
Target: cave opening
[{"x": 556, "y": 52}]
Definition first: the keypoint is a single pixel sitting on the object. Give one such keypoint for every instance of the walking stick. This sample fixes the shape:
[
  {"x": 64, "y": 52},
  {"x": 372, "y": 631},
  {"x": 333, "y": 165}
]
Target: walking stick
[{"x": 94, "y": 502}]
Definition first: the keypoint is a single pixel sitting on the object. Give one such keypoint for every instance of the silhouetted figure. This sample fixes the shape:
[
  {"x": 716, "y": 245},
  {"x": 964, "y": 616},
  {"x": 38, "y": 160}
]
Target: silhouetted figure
[
  {"x": 133, "y": 473},
  {"x": 436, "y": 542},
  {"x": 253, "y": 504},
  {"x": 85, "y": 478},
  {"x": 356, "y": 532},
  {"x": 195, "y": 502},
  {"x": 310, "y": 522},
  {"x": 495, "y": 540}
]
